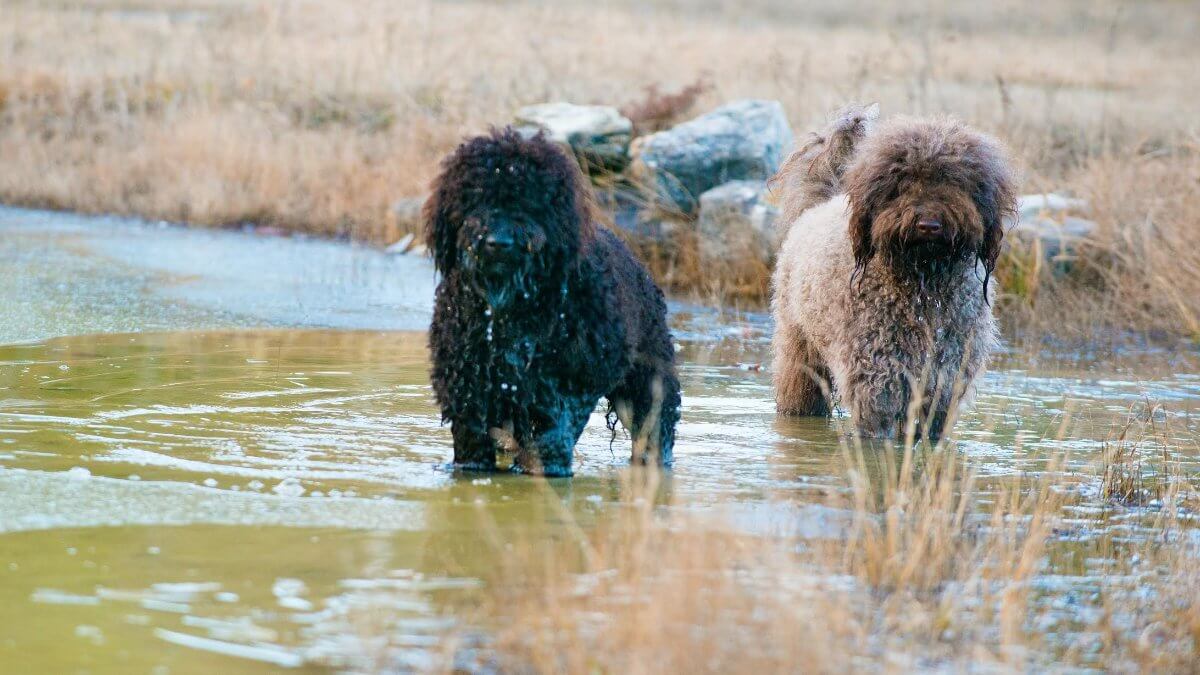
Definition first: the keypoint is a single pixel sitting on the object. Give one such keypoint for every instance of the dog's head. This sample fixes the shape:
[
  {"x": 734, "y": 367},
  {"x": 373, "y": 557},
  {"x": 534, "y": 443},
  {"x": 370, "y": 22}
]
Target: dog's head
[
  {"x": 509, "y": 214},
  {"x": 925, "y": 191}
]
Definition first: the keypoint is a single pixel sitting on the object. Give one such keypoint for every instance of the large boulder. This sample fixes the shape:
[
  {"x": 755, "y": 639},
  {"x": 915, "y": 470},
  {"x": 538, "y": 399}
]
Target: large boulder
[
  {"x": 407, "y": 213},
  {"x": 1045, "y": 221},
  {"x": 626, "y": 210},
  {"x": 742, "y": 140},
  {"x": 597, "y": 135},
  {"x": 736, "y": 219}
]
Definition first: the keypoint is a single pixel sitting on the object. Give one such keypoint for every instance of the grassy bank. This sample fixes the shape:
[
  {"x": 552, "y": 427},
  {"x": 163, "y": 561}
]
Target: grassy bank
[{"x": 316, "y": 116}]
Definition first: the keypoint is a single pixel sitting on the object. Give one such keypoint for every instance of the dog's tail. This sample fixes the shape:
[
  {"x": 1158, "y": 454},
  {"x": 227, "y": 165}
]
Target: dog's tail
[{"x": 813, "y": 174}]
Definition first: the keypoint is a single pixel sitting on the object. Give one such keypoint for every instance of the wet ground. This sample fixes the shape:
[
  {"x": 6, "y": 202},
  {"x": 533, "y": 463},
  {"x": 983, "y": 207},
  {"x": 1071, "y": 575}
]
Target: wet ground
[{"x": 216, "y": 450}]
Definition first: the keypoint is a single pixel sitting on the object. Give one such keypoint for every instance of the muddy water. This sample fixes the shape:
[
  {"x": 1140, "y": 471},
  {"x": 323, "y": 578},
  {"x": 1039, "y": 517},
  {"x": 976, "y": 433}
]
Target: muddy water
[
  {"x": 215, "y": 496},
  {"x": 195, "y": 500}
]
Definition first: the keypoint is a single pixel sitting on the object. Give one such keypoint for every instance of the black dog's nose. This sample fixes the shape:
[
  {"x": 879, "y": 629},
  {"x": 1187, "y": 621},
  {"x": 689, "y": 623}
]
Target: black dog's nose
[
  {"x": 498, "y": 242},
  {"x": 928, "y": 227}
]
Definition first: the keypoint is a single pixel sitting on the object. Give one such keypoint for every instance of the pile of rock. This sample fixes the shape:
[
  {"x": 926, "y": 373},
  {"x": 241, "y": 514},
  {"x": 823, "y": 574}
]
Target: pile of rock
[
  {"x": 1049, "y": 225},
  {"x": 709, "y": 175},
  {"x": 598, "y": 135}
]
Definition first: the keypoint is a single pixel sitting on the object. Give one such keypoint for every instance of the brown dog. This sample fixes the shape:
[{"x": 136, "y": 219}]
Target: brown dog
[{"x": 881, "y": 294}]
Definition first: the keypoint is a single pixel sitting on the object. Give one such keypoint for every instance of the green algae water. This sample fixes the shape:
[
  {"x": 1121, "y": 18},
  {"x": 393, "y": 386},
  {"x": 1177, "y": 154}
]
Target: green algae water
[{"x": 182, "y": 502}]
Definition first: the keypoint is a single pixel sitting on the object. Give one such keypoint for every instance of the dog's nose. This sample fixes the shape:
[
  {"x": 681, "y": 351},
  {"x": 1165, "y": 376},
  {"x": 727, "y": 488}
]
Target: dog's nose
[
  {"x": 928, "y": 227},
  {"x": 498, "y": 242}
]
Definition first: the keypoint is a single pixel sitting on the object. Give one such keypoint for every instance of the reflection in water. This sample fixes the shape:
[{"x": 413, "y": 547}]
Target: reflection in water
[{"x": 247, "y": 500}]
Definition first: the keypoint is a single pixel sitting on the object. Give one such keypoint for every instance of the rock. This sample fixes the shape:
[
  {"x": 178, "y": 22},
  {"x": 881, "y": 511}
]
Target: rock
[
  {"x": 742, "y": 140},
  {"x": 1030, "y": 206},
  {"x": 409, "y": 220},
  {"x": 598, "y": 135},
  {"x": 402, "y": 246},
  {"x": 1043, "y": 220},
  {"x": 627, "y": 210},
  {"x": 1060, "y": 239},
  {"x": 735, "y": 220}
]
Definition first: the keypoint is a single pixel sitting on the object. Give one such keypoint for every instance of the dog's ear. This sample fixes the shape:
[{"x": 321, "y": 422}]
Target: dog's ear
[
  {"x": 870, "y": 183},
  {"x": 439, "y": 232},
  {"x": 862, "y": 214},
  {"x": 996, "y": 200}
]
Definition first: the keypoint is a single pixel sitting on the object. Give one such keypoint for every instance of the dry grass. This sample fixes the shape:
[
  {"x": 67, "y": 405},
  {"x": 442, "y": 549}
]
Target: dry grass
[
  {"x": 919, "y": 566},
  {"x": 316, "y": 115},
  {"x": 658, "y": 110}
]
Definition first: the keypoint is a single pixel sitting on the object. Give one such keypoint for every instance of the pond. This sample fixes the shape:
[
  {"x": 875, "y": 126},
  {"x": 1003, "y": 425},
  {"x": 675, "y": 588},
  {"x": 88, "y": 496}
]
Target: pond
[{"x": 228, "y": 489}]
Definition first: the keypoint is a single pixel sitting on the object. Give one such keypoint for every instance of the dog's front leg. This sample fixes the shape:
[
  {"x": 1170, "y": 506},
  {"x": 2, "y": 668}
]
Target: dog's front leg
[
  {"x": 474, "y": 450},
  {"x": 877, "y": 396},
  {"x": 553, "y": 449}
]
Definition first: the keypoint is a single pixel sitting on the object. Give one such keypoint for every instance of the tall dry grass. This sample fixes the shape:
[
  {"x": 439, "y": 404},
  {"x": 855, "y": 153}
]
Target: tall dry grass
[
  {"x": 920, "y": 567},
  {"x": 315, "y": 115}
]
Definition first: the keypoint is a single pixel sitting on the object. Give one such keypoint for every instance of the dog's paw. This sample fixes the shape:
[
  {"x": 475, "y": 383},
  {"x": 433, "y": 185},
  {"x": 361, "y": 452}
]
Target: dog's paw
[{"x": 474, "y": 467}]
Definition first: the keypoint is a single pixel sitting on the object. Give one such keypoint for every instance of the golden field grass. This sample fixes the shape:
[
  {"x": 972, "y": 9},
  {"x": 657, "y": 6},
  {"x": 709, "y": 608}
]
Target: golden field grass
[
  {"x": 315, "y": 116},
  {"x": 922, "y": 564}
]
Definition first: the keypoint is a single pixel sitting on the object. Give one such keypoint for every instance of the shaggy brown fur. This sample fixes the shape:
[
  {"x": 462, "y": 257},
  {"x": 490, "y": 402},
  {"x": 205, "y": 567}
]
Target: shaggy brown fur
[
  {"x": 539, "y": 312},
  {"x": 813, "y": 174},
  {"x": 881, "y": 294}
]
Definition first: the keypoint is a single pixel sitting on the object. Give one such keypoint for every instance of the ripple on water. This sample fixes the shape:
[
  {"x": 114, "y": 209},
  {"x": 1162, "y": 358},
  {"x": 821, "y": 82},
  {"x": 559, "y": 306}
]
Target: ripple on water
[{"x": 167, "y": 483}]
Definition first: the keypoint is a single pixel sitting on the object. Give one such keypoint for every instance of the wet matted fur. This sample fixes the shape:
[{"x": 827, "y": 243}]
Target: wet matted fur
[
  {"x": 539, "y": 312},
  {"x": 881, "y": 294}
]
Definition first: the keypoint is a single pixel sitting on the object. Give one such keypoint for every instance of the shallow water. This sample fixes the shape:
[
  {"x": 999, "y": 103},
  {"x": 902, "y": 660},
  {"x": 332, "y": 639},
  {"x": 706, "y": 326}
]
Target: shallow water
[
  {"x": 253, "y": 487},
  {"x": 65, "y": 274},
  {"x": 241, "y": 498}
]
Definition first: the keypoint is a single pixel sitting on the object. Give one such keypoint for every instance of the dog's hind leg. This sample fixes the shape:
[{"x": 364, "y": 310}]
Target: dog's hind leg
[
  {"x": 801, "y": 378},
  {"x": 662, "y": 442},
  {"x": 647, "y": 403}
]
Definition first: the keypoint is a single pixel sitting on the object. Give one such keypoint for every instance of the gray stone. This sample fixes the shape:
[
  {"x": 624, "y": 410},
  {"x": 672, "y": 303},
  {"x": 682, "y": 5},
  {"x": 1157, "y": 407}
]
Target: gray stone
[
  {"x": 742, "y": 140},
  {"x": 403, "y": 245},
  {"x": 627, "y": 210},
  {"x": 1058, "y": 239},
  {"x": 1033, "y": 206},
  {"x": 1046, "y": 221},
  {"x": 597, "y": 135},
  {"x": 736, "y": 219}
]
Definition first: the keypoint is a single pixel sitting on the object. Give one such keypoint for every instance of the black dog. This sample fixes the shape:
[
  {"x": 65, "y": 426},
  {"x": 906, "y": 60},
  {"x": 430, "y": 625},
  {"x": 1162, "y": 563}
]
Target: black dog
[{"x": 540, "y": 312}]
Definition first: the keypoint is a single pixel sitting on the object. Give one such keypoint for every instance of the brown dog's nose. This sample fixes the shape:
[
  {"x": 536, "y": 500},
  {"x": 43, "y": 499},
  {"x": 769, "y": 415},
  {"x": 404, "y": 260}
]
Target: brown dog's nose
[{"x": 928, "y": 227}]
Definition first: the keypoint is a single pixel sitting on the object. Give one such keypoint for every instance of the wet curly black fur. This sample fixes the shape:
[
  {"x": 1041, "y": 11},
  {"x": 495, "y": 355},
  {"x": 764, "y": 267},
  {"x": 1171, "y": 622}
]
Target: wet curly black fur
[{"x": 539, "y": 313}]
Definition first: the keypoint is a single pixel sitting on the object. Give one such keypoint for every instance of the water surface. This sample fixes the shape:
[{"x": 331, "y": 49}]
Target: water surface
[
  {"x": 256, "y": 478},
  {"x": 170, "y": 499}
]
